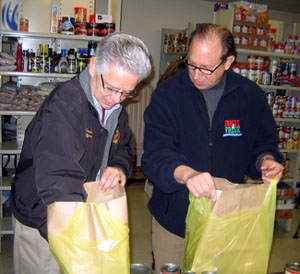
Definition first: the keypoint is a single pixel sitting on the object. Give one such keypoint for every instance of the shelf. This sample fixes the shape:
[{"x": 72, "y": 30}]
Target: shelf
[
  {"x": 18, "y": 34},
  {"x": 280, "y": 87},
  {"x": 289, "y": 150},
  {"x": 6, "y": 225},
  {"x": 10, "y": 148},
  {"x": 283, "y": 217},
  {"x": 5, "y": 183},
  {"x": 174, "y": 53},
  {"x": 287, "y": 179},
  {"x": 285, "y": 197},
  {"x": 37, "y": 74},
  {"x": 17, "y": 113},
  {"x": 248, "y": 35},
  {"x": 250, "y": 24},
  {"x": 287, "y": 120},
  {"x": 268, "y": 53}
]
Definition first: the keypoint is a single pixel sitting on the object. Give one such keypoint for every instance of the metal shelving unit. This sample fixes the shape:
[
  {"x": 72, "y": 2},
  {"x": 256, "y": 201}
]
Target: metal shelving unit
[{"x": 29, "y": 40}]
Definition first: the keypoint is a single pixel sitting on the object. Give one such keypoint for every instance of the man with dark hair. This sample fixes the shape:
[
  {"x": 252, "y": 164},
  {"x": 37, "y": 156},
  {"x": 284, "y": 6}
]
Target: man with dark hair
[{"x": 204, "y": 122}]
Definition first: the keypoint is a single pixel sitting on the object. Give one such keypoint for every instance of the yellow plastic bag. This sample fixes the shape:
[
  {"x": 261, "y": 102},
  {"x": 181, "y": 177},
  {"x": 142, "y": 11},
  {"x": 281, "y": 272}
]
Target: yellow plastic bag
[
  {"x": 91, "y": 237},
  {"x": 233, "y": 235}
]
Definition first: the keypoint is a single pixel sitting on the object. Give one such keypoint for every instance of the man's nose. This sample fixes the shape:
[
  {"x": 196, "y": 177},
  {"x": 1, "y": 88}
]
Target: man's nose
[{"x": 117, "y": 97}]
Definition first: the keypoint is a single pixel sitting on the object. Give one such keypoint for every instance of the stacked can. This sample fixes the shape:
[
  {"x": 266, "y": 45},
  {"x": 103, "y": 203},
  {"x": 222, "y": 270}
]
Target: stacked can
[
  {"x": 170, "y": 268},
  {"x": 284, "y": 106},
  {"x": 288, "y": 137}
]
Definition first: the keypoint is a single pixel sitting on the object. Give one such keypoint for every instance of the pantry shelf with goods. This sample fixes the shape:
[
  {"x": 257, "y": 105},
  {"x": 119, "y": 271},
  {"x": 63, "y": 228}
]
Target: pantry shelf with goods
[
  {"x": 35, "y": 56},
  {"x": 276, "y": 74},
  {"x": 273, "y": 66},
  {"x": 173, "y": 47},
  {"x": 23, "y": 91}
]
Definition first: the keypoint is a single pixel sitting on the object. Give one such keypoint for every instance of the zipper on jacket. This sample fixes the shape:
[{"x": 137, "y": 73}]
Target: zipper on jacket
[
  {"x": 210, "y": 136},
  {"x": 211, "y": 149}
]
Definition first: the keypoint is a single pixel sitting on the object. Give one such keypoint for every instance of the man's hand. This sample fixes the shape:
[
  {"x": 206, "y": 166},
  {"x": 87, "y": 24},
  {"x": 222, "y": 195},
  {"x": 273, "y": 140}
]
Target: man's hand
[
  {"x": 270, "y": 169},
  {"x": 199, "y": 183},
  {"x": 111, "y": 177}
]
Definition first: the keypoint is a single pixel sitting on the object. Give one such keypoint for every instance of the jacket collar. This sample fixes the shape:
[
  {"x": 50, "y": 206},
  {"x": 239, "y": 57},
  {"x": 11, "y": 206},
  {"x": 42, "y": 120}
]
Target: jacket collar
[
  {"x": 232, "y": 82},
  {"x": 84, "y": 79}
]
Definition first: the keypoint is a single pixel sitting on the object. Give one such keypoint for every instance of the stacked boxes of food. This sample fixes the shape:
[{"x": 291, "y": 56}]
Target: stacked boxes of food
[{"x": 250, "y": 25}]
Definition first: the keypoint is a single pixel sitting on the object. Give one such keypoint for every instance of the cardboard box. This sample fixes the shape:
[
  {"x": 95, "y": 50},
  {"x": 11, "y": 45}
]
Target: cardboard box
[
  {"x": 103, "y": 18},
  {"x": 246, "y": 9}
]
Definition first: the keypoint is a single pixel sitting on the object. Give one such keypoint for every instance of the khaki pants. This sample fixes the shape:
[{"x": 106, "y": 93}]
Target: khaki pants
[
  {"x": 31, "y": 252},
  {"x": 167, "y": 247}
]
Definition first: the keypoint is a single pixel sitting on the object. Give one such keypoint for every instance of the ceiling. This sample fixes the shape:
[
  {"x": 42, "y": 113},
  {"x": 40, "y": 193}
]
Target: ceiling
[{"x": 279, "y": 5}]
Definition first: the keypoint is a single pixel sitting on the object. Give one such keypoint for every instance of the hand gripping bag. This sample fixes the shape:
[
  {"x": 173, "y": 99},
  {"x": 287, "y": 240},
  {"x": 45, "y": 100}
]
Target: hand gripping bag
[
  {"x": 93, "y": 236},
  {"x": 234, "y": 234}
]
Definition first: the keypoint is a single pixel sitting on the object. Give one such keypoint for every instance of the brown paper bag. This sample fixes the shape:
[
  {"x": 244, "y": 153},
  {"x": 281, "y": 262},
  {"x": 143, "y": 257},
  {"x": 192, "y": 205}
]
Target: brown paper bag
[
  {"x": 234, "y": 234},
  {"x": 92, "y": 236}
]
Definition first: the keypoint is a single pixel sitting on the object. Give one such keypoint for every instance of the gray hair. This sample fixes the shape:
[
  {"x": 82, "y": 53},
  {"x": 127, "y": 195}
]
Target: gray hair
[{"x": 124, "y": 50}]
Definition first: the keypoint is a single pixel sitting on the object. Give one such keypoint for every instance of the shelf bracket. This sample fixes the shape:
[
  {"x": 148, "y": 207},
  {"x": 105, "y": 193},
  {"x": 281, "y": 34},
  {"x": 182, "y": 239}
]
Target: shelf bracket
[{"x": 19, "y": 82}]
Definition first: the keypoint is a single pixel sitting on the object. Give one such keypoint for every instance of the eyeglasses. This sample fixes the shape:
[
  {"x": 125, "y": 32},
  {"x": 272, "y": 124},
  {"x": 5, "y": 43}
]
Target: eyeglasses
[
  {"x": 203, "y": 70},
  {"x": 124, "y": 94}
]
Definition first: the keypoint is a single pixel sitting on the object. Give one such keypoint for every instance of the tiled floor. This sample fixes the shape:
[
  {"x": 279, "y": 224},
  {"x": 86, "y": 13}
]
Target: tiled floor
[{"x": 284, "y": 249}]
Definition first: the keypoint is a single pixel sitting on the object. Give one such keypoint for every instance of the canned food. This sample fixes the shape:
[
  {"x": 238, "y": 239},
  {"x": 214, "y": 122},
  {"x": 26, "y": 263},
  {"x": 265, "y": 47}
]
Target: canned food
[
  {"x": 24, "y": 24},
  {"x": 244, "y": 29},
  {"x": 237, "y": 40},
  {"x": 80, "y": 14},
  {"x": 292, "y": 268},
  {"x": 292, "y": 69},
  {"x": 265, "y": 78},
  {"x": 244, "y": 41},
  {"x": 263, "y": 43},
  {"x": 252, "y": 60},
  {"x": 237, "y": 28},
  {"x": 244, "y": 72},
  {"x": 139, "y": 269},
  {"x": 170, "y": 268},
  {"x": 44, "y": 50},
  {"x": 80, "y": 28}
]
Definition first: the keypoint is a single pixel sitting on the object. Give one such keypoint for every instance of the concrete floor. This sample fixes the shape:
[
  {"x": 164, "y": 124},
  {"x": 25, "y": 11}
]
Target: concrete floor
[{"x": 285, "y": 248}]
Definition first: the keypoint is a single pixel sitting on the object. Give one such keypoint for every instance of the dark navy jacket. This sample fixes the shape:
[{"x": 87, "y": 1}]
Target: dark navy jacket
[
  {"x": 177, "y": 132},
  {"x": 63, "y": 148}
]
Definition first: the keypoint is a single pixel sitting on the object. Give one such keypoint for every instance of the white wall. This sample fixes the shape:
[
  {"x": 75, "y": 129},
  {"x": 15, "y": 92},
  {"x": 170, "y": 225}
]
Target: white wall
[
  {"x": 146, "y": 18},
  {"x": 288, "y": 18}
]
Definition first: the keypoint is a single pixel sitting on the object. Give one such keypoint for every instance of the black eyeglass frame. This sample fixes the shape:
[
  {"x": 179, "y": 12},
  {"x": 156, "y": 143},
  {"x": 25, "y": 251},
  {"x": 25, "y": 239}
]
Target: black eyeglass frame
[
  {"x": 124, "y": 94},
  {"x": 204, "y": 70}
]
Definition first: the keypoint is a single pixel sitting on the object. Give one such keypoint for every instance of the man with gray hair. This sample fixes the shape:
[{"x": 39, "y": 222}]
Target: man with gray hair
[{"x": 79, "y": 134}]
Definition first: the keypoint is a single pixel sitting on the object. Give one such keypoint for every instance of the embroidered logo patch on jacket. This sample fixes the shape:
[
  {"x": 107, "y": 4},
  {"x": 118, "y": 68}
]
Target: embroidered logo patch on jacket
[
  {"x": 88, "y": 133},
  {"x": 116, "y": 136},
  {"x": 232, "y": 128}
]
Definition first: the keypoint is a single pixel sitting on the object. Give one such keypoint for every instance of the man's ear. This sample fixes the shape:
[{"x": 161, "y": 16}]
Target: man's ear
[
  {"x": 92, "y": 67},
  {"x": 230, "y": 59}
]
